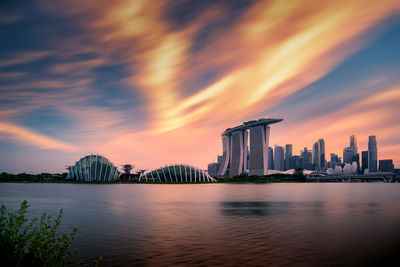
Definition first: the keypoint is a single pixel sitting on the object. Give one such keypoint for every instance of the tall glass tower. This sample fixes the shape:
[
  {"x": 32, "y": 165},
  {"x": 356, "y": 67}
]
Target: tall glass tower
[
  {"x": 316, "y": 156},
  {"x": 288, "y": 156},
  {"x": 321, "y": 144},
  {"x": 270, "y": 158},
  {"x": 372, "y": 154},
  {"x": 279, "y": 162},
  {"x": 364, "y": 161},
  {"x": 353, "y": 143}
]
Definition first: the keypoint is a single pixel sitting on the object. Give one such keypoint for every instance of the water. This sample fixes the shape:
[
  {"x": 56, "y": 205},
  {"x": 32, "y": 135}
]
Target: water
[{"x": 313, "y": 224}]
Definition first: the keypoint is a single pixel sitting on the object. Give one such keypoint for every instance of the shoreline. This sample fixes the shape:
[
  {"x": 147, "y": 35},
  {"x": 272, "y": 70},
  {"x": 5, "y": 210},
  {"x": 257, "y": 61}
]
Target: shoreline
[{"x": 189, "y": 183}]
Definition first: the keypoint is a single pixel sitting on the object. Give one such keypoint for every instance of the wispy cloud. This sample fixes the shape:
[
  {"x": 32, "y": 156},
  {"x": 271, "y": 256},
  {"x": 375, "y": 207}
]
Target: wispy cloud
[
  {"x": 187, "y": 88},
  {"x": 22, "y": 57},
  {"x": 11, "y": 75},
  {"x": 274, "y": 50},
  {"x": 26, "y": 136},
  {"x": 374, "y": 114},
  {"x": 9, "y": 18}
]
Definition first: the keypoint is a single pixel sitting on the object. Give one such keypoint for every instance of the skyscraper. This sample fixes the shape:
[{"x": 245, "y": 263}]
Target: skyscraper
[
  {"x": 270, "y": 158},
  {"x": 258, "y": 160},
  {"x": 306, "y": 156},
  {"x": 246, "y": 168},
  {"x": 279, "y": 159},
  {"x": 219, "y": 159},
  {"x": 212, "y": 169},
  {"x": 316, "y": 156},
  {"x": 321, "y": 143},
  {"x": 364, "y": 161},
  {"x": 348, "y": 153},
  {"x": 356, "y": 159},
  {"x": 386, "y": 165},
  {"x": 288, "y": 155},
  {"x": 295, "y": 162},
  {"x": 372, "y": 154},
  {"x": 236, "y": 142},
  {"x": 335, "y": 161},
  {"x": 353, "y": 143}
]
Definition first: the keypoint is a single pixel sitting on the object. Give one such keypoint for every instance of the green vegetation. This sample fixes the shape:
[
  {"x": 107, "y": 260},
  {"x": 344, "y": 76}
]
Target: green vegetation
[
  {"x": 35, "y": 242},
  {"x": 298, "y": 176},
  {"x": 25, "y": 177},
  {"x": 45, "y": 178}
]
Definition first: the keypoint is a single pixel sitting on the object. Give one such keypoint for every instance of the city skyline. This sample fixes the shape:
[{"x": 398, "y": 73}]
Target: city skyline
[
  {"x": 157, "y": 83},
  {"x": 350, "y": 154}
]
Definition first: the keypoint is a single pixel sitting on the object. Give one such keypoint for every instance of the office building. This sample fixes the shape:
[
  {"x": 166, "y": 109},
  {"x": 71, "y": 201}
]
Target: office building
[
  {"x": 386, "y": 165},
  {"x": 212, "y": 169},
  {"x": 321, "y": 143},
  {"x": 279, "y": 162},
  {"x": 296, "y": 162},
  {"x": 335, "y": 161},
  {"x": 372, "y": 154},
  {"x": 364, "y": 161},
  {"x": 270, "y": 158},
  {"x": 356, "y": 159},
  {"x": 306, "y": 156},
  {"x": 288, "y": 155},
  {"x": 219, "y": 159},
  {"x": 319, "y": 155},
  {"x": 348, "y": 153},
  {"x": 316, "y": 156},
  {"x": 353, "y": 143}
]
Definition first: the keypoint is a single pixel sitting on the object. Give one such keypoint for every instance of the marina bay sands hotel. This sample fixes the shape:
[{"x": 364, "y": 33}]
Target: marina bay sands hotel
[{"x": 235, "y": 143}]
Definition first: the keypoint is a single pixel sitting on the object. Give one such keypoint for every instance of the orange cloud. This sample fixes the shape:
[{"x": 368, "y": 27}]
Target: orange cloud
[
  {"x": 275, "y": 49},
  {"x": 77, "y": 67},
  {"x": 271, "y": 51},
  {"x": 376, "y": 114},
  {"x": 29, "y": 137}
]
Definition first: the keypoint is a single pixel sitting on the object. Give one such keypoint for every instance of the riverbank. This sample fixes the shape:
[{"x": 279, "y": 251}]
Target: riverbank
[
  {"x": 242, "y": 179},
  {"x": 61, "y": 178},
  {"x": 151, "y": 182}
]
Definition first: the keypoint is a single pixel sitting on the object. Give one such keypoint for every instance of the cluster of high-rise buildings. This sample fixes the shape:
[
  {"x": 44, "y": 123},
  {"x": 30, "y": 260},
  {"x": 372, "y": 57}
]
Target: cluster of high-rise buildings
[
  {"x": 237, "y": 158},
  {"x": 282, "y": 159},
  {"x": 368, "y": 163}
]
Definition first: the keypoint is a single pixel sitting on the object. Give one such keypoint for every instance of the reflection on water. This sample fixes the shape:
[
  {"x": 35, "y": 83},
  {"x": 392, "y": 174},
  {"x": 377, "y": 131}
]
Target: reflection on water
[
  {"x": 254, "y": 208},
  {"x": 258, "y": 208},
  {"x": 225, "y": 225}
]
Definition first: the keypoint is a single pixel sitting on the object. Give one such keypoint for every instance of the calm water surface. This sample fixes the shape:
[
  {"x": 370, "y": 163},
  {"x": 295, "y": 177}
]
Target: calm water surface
[{"x": 224, "y": 224}]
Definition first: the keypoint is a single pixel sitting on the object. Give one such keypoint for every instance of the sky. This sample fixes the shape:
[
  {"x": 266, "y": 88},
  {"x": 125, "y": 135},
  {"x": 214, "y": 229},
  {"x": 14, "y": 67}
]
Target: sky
[{"x": 151, "y": 83}]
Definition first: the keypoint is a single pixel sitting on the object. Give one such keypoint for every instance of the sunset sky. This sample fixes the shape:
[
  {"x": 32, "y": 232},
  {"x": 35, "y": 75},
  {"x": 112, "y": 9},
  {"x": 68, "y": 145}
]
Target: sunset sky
[{"x": 156, "y": 82}]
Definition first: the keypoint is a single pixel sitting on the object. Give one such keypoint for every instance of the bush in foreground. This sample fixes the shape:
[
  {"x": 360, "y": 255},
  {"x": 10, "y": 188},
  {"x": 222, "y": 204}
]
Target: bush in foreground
[{"x": 34, "y": 242}]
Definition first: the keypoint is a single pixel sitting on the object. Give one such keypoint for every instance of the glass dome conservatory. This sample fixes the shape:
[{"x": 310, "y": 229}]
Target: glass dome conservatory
[
  {"x": 94, "y": 168},
  {"x": 178, "y": 173}
]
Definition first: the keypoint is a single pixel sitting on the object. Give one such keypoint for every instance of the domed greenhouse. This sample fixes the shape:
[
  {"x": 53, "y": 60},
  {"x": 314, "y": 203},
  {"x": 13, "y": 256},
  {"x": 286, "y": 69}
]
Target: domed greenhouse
[
  {"x": 178, "y": 173},
  {"x": 94, "y": 168}
]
